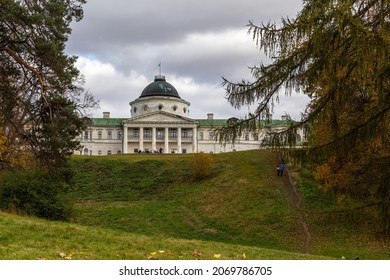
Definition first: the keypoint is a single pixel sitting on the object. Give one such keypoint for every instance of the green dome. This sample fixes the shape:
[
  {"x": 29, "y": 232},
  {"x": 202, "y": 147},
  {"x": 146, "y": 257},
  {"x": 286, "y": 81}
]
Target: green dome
[{"x": 160, "y": 87}]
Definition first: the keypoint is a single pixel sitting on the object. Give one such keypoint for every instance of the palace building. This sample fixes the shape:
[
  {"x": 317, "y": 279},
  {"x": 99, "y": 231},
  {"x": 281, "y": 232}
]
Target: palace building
[{"x": 160, "y": 123}]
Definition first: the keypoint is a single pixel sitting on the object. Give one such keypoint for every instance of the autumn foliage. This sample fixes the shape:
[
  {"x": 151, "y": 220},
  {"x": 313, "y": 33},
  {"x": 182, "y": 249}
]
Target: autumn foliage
[{"x": 201, "y": 166}]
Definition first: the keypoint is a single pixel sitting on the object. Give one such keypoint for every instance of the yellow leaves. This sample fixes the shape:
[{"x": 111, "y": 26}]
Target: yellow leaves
[
  {"x": 14, "y": 154},
  {"x": 197, "y": 254},
  {"x": 65, "y": 256},
  {"x": 71, "y": 255},
  {"x": 217, "y": 256},
  {"x": 201, "y": 165},
  {"x": 153, "y": 255}
]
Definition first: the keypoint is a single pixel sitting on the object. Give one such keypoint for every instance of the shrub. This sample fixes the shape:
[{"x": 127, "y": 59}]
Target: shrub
[
  {"x": 36, "y": 192},
  {"x": 202, "y": 166}
]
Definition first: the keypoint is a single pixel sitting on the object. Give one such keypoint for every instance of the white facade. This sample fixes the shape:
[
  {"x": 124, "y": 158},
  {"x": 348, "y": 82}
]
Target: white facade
[{"x": 160, "y": 122}]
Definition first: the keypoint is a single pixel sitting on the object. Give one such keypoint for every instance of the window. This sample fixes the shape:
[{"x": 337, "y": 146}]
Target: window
[
  {"x": 136, "y": 132},
  {"x": 118, "y": 152},
  {"x": 86, "y": 135},
  {"x": 136, "y": 151},
  {"x": 85, "y": 151},
  {"x": 174, "y": 108},
  {"x": 109, "y": 152},
  {"x": 185, "y": 110},
  {"x": 100, "y": 135},
  {"x": 184, "y": 133},
  {"x": 246, "y": 136},
  {"x": 184, "y": 151},
  {"x": 200, "y": 135},
  {"x": 119, "y": 135},
  {"x": 256, "y": 136},
  {"x": 160, "y": 107},
  {"x": 160, "y": 133},
  {"x": 211, "y": 135},
  {"x": 145, "y": 107},
  {"x": 135, "y": 109},
  {"x": 100, "y": 152},
  {"x": 173, "y": 133},
  {"x": 147, "y": 133},
  {"x": 109, "y": 135}
]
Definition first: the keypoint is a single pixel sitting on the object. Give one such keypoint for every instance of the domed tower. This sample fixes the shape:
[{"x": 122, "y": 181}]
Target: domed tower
[{"x": 159, "y": 96}]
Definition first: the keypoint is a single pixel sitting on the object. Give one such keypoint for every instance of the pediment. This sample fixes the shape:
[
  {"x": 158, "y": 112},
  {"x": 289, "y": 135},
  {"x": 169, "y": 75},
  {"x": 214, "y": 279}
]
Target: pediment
[{"x": 160, "y": 117}]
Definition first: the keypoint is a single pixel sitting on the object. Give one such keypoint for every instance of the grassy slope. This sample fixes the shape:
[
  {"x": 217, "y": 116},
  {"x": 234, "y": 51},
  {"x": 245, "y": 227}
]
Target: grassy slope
[
  {"x": 23, "y": 238},
  {"x": 130, "y": 205},
  {"x": 242, "y": 203}
]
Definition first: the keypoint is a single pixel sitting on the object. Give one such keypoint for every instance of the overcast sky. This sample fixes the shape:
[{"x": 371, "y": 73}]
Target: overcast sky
[{"x": 120, "y": 44}]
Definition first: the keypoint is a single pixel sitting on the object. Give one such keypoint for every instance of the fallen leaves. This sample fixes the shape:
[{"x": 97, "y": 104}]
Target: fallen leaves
[
  {"x": 197, "y": 254},
  {"x": 217, "y": 256},
  {"x": 70, "y": 255},
  {"x": 153, "y": 255}
]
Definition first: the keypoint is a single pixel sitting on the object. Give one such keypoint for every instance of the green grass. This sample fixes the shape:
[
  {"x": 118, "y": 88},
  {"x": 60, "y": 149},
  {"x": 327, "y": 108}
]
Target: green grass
[
  {"x": 241, "y": 203},
  {"x": 127, "y": 206},
  {"x": 23, "y": 238}
]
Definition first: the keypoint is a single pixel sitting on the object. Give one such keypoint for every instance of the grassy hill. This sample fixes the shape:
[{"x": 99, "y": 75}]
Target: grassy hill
[
  {"x": 24, "y": 238},
  {"x": 128, "y": 206}
]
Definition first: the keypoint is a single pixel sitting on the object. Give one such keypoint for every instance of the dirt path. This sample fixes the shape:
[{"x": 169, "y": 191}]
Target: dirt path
[{"x": 296, "y": 200}]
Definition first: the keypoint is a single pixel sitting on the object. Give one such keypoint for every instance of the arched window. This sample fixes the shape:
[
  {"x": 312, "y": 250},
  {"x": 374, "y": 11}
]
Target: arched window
[
  {"x": 109, "y": 152},
  {"x": 160, "y": 107},
  {"x": 100, "y": 152},
  {"x": 85, "y": 152}
]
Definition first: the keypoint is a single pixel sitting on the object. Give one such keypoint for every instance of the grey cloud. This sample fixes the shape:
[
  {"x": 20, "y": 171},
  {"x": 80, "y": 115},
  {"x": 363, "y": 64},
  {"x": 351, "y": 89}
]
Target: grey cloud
[{"x": 134, "y": 36}]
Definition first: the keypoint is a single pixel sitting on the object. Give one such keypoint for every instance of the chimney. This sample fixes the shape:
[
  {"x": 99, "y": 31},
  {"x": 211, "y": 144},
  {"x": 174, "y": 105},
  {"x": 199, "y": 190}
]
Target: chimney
[
  {"x": 106, "y": 115},
  {"x": 210, "y": 116}
]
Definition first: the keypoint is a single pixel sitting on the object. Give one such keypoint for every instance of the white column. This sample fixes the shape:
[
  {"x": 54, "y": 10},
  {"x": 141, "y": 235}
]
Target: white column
[
  {"x": 166, "y": 141},
  {"x": 124, "y": 150},
  {"x": 141, "y": 139},
  {"x": 179, "y": 140},
  {"x": 154, "y": 139},
  {"x": 194, "y": 140}
]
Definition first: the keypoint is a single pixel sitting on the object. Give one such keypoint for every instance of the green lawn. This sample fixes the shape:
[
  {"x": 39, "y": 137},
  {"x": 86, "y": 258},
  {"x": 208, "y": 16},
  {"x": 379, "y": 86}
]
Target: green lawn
[{"x": 128, "y": 206}]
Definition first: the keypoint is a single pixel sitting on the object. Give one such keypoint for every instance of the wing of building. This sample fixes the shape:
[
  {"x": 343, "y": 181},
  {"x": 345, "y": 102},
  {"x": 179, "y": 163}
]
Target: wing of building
[{"x": 160, "y": 123}]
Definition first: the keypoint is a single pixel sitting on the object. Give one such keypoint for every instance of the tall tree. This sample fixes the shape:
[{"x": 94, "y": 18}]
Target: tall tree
[
  {"x": 40, "y": 88},
  {"x": 338, "y": 53}
]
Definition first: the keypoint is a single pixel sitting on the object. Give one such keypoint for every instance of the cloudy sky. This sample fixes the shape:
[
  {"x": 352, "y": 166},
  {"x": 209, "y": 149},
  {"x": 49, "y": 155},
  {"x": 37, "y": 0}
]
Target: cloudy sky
[{"x": 121, "y": 42}]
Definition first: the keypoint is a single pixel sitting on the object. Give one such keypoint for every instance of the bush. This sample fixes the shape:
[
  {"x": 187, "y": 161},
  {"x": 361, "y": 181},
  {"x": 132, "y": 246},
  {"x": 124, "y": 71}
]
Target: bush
[
  {"x": 36, "y": 192},
  {"x": 202, "y": 166}
]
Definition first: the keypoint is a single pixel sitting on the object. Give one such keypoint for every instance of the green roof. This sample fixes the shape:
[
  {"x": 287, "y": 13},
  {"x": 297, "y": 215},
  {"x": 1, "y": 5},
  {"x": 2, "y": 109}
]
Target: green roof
[
  {"x": 107, "y": 122},
  {"x": 214, "y": 122}
]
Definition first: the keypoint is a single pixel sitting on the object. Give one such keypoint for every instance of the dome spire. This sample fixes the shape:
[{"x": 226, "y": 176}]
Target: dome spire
[{"x": 159, "y": 66}]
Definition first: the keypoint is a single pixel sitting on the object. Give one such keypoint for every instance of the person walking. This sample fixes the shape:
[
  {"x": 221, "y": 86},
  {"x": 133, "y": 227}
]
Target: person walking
[{"x": 281, "y": 168}]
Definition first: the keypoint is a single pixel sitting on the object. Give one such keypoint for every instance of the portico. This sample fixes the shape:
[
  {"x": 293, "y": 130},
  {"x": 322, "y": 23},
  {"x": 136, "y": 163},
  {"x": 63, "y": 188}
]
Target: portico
[{"x": 160, "y": 131}]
